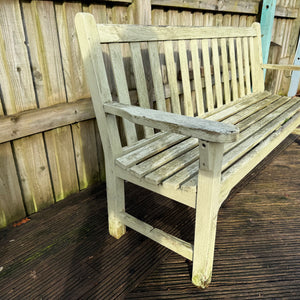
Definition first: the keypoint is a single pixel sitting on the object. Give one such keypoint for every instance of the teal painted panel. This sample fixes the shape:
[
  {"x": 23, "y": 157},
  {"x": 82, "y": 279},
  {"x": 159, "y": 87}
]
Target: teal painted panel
[
  {"x": 266, "y": 23},
  {"x": 296, "y": 74}
]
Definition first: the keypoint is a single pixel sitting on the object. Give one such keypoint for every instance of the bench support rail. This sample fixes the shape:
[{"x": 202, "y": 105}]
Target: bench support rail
[{"x": 169, "y": 241}]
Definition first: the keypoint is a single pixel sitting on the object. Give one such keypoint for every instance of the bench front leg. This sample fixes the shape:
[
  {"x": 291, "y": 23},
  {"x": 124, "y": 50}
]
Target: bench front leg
[
  {"x": 115, "y": 202},
  {"x": 208, "y": 194}
]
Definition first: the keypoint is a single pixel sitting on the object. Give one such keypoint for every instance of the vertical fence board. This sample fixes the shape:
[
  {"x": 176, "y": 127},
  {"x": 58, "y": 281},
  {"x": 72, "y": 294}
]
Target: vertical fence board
[
  {"x": 76, "y": 87},
  {"x": 11, "y": 203},
  {"x": 18, "y": 95},
  {"x": 41, "y": 28}
]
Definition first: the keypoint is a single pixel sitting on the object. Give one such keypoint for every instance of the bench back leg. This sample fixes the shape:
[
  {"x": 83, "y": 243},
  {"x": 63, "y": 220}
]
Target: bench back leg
[{"x": 208, "y": 194}]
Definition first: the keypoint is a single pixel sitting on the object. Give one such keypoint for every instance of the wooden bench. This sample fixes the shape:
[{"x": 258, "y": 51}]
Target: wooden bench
[{"x": 181, "y": 111}]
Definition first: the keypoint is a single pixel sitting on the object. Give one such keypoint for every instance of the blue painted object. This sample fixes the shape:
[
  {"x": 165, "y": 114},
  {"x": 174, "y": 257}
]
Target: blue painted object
[
  {"x": 296, "y": 74},
  {"x": 266, "y": 23}
]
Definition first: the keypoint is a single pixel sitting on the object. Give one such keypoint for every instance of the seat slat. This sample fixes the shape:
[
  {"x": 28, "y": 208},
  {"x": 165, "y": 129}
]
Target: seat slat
[
  {"x": 234, "y": 87},
  {"x": 140, "y": 79},
  {"x": 224, "y": 57},
  {"x": 144, "y": 142},
  {"x": 186, "y": 83},
  {"x": 207, "y": 75},
  {"x": 261, "y": 121},
  {"x": 191, "y": 184},
  {"x": 264, "y": 110},
  {"x": 217, "y": 72},
  {"x": 182, "y": 176},
  {"x": 156, "y": 76},
  {"x": 169, "y": 169},
  {"x": 227, "y": 112},
  {"x": 197, "y": 76},
  {"x": 232, "y": 175},
  {"x": 263, "y": 129},
  {"x": 152, "y": 163},
  {"x": 172, "y": 77},
  {"x": 140, "y": 154},
  {"x": 250, "y": 110},
  {"x": 250, "y": 143},
  {"x": 122, "y": 89},
  {"x": 246, "y": 65}
]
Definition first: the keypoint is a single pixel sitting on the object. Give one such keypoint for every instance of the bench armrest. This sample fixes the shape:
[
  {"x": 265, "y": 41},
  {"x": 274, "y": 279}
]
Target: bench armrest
[
  {"x": 207, "y": 130},
  {"x": 281, "y": 67}
]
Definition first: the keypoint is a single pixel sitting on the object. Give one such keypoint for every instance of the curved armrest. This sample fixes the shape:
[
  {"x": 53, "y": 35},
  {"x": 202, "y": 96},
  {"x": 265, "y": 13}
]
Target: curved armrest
[
  {"x": 281, "y": 67},
  {"x": 207, "y": 130}
]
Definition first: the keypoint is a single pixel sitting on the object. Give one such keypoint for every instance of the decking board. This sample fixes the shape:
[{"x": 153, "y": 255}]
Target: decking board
[{"x": 65, "y": 250}]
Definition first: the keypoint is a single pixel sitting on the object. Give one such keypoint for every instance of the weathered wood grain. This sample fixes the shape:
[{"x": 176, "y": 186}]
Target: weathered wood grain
[
  {"x": 229, "y": 6},
  {"x": 18, "y": 95},
  {"x": 11, "y": 202},
  {"x": 34, "y": 121},
  {"x": 190, "y": 126},
  {"x": 49, "y": 82},
  {"x": 281, "y": 67},
  {"x": 197, "y": 77},
  {"x": 118, "y": 33},
  {"x": 84, "y": 136}
]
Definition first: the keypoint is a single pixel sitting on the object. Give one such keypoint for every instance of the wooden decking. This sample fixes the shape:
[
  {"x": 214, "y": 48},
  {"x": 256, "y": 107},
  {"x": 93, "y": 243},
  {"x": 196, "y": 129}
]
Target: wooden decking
[{"x": 65, "y": 252}]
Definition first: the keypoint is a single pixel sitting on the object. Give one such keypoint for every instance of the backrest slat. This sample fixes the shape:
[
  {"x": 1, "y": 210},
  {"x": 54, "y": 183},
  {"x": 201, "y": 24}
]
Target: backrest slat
[
  {"x": 224, "y": 56},
  {"x": 197, "y": 76},
  {"x": 256, "y": 60},
  {"x": 156, "y": 76},
  {"x": 239, "y": 55},
  {"x": 207, "y": 75},
  {"x": 172, "y": 77},
  {"x": 186, "y": 84},
  {"x": 252, "y": 61},
  {"x": 122, "y": 88},
  {"x": 246, "y": 65},
  {"x": 140, "y": 80},
  {"x": 217, "y": 72},
  {"x": 234, "y": 87}
]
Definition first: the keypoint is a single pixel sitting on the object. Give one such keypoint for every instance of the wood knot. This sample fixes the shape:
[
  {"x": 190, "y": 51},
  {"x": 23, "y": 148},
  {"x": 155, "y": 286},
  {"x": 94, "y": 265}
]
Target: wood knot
[{"x": 14, "y": 119}]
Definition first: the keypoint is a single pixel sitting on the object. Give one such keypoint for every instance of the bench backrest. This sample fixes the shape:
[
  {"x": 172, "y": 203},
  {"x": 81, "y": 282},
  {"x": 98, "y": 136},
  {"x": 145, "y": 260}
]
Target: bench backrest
[{"x": 185, "y": 70}]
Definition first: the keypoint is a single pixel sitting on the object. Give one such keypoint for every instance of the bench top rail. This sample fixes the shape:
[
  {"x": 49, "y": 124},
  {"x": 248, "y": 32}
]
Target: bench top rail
[{"x": 124, "y": 33}]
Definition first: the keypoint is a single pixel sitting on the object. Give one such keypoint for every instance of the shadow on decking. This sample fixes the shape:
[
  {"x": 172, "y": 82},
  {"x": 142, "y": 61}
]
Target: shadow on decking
[{"x": 65, "y": 252}]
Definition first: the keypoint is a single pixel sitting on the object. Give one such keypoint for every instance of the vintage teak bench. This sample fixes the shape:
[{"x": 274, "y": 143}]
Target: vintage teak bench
[{"x": 182, "y": 111}]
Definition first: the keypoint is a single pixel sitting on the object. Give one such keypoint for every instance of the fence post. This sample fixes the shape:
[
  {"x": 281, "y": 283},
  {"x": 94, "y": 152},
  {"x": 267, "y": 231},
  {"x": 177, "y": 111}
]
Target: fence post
[
  {"x": 142, "y": 12},
  {"x": 266, "y": 23}
]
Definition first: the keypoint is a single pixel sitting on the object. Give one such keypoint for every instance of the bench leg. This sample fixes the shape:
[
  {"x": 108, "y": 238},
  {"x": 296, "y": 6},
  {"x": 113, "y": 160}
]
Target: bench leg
[
  {"x": 115, "y": 205},
  {"x": 206, "y": 212}
]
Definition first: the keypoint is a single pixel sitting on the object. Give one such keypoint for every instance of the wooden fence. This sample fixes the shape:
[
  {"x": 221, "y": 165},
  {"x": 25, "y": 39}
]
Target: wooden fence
[{"x": 49, "y": 143}]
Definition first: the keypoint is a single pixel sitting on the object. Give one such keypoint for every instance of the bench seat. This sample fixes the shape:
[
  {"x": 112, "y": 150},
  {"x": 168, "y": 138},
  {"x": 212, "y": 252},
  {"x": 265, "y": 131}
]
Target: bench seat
[{"x": 171, "y": 160}]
